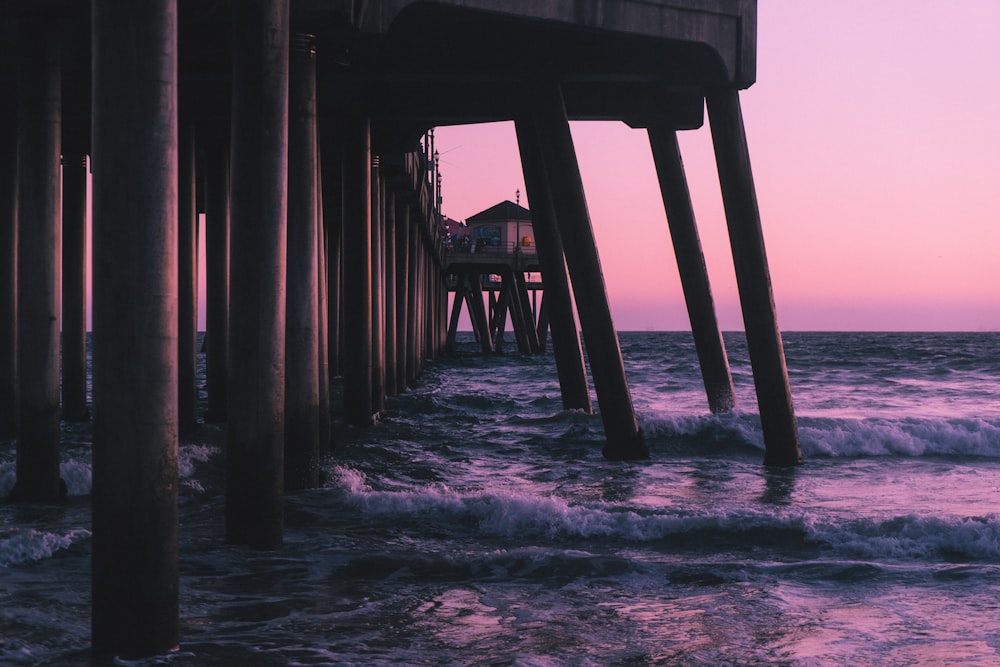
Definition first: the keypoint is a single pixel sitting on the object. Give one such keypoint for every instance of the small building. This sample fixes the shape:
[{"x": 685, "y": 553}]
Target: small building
[{"x": 505, "y": 227}]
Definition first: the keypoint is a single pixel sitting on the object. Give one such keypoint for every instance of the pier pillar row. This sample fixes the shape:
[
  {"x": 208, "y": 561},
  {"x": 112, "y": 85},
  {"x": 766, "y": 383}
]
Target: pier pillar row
[
  {"x": 624, "y": 439},
  {"x": 39, "y": 247},
  {"x": 357, "y": 272},
  {"x": 74, "y": 285},
  {"x": 302, "y": 442},
  {"x": 8, "y": 264},
  {"x": 135, "y": 609},
  {"x": 710, "y": 347},
  {"x": 558, "y": 303},
  {"x": 259, "y": 184},
  {"x": 767, "y": 355}
]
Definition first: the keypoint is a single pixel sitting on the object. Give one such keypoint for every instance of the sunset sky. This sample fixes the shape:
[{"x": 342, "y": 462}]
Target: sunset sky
[{"x": 874, "y": 132}]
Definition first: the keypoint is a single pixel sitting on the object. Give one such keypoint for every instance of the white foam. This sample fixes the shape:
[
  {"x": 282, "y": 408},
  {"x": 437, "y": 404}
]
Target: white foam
[{"x": 29, "y": 544}]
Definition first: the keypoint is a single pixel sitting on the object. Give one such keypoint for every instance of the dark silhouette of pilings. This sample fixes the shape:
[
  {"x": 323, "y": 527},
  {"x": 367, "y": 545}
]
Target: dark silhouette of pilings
[
  {"x": 767, "y": 355},
  {"x": 134, "y": 129},
  {"x": 389, "y": 292},
  {"x": 302, "y": 372},
  {"x": 624, "y": 439},
  {"x": 74, "y": 280},
  {"x": 557, "y": 302},
  {"x": 259, "y": 182},
  {"x": 187, "y": 277},
  {"x": 323, "y": 342},
  {"x": 8, "y": 260},
  {"x": 39, "y": 250},
  {"x": 693, "y": 272},
  {"x": 403, "y": 362},
  {"x": 332, "y": 175},
  {"x": 217, "y": 274},
  {"x": 377, "y": 295},
  {"x": 357, "y": 273}
]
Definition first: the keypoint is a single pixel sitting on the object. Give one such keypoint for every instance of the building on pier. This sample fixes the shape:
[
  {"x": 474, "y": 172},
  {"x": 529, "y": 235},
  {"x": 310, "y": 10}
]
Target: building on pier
[{"x": 495, "y": 258}]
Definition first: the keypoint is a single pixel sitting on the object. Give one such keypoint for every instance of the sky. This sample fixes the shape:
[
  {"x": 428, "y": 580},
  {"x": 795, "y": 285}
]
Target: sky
[{"x": 874, "y": 135}]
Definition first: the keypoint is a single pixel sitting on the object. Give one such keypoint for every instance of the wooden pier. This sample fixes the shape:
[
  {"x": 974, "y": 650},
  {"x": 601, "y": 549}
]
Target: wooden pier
[{"x": 304, "y": 133}]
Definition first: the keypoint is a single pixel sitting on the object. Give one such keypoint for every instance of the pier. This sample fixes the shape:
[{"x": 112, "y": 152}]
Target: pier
[{"x": 303, "y": 132}]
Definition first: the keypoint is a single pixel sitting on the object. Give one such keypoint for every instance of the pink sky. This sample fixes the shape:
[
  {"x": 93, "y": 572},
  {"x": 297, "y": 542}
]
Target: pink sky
[{"x": 874, "y": 131}]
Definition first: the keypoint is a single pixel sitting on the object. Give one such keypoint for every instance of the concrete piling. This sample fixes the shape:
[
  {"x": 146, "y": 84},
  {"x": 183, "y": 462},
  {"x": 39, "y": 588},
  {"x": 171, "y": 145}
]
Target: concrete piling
[
  {"x": 217, "y": 275},
  {"x": 302, "y": 305},
  {"x": 187, "y": 277},
  {"x": 557, "y": 301},
  {"x": 624, "y": 439},
  {"x": 8, "y": 260},
  {"x": 259, "y": 182},
  {"x": 302, "y": 372},
  {"x": 377, "y": 294},
  {"x": 708, "y": 341},
  {"x": 332, "y": 178},
  {"x": 389, "y": 291},
  {"x": 402, "y": 295},
  {"x": 74, "y": 280},
  {"x": 134, "y": 496},
  {"x": 357, "y": 273},
  {"x": 767, "y": 355},
  {"x": 39, "y": 247}
]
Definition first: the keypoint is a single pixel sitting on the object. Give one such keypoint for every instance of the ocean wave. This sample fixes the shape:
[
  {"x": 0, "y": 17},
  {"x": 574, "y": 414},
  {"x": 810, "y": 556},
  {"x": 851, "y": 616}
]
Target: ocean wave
[
  {"x": 516, "y": 515},
  {"x": 835, "y": 437},
  {"x": 21, "y": 546}
]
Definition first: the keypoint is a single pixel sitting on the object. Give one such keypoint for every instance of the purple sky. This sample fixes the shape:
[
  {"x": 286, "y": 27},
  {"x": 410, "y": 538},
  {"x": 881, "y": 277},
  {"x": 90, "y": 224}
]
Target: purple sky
[{"x": 874, "y": 131}]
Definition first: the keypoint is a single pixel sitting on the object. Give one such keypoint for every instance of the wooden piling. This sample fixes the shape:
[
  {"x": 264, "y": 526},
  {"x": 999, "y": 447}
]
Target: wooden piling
[
  {"x": 767, "y": 355},
  {"x": 557, "y": 301},
  {"x": 74, "y": 283},
  {"x": 135, "y": 198},
  {"x": 708, "y": 341},
  {"x": 357, "y": 273},
  {"x": 259, "y": 182},
  {"x": 39, "y": 262},
  {"x": 302, "y": 444},
  {"x": 624, "y": 439}
]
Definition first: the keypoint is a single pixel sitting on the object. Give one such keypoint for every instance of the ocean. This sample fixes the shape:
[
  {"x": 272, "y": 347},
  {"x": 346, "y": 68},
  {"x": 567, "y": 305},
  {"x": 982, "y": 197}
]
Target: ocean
[{"x": 478, "y": 524}]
